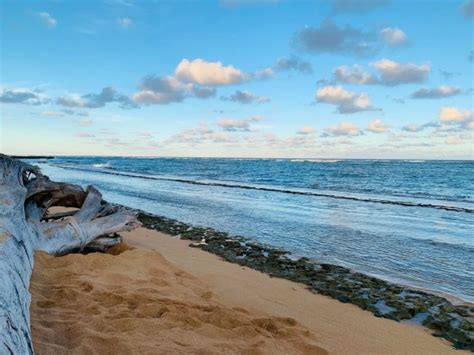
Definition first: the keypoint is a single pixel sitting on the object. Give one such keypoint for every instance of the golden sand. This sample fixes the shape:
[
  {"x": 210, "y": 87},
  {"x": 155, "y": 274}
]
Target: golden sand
[{"x": 162, "y": 297}]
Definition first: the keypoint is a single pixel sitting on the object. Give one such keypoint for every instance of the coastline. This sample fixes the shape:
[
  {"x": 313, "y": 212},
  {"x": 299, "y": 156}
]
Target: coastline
[
  {"x": 171, "y": 239},
  {"x": 402, "y": 245},
  {"x": 164, "y": 296},
  {"x": 384, "y": 299}
]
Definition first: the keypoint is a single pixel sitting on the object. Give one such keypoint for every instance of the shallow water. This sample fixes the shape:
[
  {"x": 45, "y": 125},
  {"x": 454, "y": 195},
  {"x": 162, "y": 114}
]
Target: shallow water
[{"x": 410, "y": 222}]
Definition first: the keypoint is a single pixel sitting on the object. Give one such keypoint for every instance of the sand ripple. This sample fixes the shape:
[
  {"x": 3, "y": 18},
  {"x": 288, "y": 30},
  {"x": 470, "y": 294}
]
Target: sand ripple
[{"x": 139, "y": 303}]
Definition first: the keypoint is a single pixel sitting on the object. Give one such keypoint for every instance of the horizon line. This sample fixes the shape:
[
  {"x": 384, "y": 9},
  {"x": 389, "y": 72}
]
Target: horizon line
[{"x": 49, "y": 156}]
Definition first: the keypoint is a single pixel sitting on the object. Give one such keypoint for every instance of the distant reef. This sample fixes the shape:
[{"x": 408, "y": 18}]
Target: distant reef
[{"x": 33, "y": 156}]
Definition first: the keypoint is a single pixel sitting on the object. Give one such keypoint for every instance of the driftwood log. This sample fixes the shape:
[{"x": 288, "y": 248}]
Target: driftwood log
[{"x": 26, "y": 226}]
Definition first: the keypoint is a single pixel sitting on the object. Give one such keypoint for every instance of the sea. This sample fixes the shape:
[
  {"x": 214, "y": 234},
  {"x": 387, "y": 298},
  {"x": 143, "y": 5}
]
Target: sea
[{"x": 410, "y": 222}]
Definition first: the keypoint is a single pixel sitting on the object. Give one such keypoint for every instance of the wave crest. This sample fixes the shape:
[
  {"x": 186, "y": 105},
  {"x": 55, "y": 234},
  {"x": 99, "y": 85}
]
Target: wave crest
[{"x": 279, "y": 190}]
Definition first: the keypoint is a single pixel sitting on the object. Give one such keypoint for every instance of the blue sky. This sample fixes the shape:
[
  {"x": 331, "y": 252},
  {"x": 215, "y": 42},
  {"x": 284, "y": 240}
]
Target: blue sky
[{"x": 239, "y": 78}]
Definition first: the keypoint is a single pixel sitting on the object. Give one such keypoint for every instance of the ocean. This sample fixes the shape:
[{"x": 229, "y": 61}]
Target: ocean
[{"x": 406, "y": 221}]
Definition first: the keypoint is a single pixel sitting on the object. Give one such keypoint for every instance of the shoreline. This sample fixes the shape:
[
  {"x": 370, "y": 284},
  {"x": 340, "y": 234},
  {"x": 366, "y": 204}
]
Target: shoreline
[
  {"x": 158, "y": 295},
  {"x": 382, "y": 298},
  {"x": 293, "y": 191}
]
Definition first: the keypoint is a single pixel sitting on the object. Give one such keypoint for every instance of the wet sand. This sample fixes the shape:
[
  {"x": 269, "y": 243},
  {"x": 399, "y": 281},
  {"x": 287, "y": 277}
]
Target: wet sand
[{"x": 164, "y": 297}]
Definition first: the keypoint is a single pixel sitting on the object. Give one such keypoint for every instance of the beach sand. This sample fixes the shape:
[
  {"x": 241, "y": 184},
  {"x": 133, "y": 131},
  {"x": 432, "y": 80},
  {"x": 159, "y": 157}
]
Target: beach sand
[{"x": 163, "y": 297}]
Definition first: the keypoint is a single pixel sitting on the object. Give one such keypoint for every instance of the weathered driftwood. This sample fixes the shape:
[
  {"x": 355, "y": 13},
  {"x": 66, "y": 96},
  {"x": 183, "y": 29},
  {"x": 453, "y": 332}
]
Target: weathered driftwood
[{"x": 25, "y": 227}]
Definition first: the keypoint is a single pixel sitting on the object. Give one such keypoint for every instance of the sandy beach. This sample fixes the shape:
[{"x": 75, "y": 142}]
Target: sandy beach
[
  {"x": 259, "y": 177},
  {"x": 159, "y": 296}
]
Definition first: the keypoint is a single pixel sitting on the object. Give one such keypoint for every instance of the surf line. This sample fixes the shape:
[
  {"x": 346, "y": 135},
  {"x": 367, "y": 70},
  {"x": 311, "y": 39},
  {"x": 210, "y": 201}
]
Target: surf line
[{"x": 271, "y": 189}]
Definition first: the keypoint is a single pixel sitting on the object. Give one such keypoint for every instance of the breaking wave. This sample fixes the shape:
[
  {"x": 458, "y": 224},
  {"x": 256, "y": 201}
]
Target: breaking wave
[{"x": 229, "y": 184}]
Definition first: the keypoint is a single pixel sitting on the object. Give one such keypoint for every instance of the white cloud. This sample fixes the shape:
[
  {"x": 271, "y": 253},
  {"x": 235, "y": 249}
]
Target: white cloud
[
  {"x": 246, "y": 97},
  {"x": 452, "y": 119},
  {"x": 306, "y": 130},
  {"x": 23, "y": 96},
  {"x": 223, "y": 137},
  {"x": 193, "y": 135},
  {"x": 198, "y": 78},
  {"x": 343, "y": 129},
  {"x": 378, "y": 126},
  {"x": 436, "y": 93},
  {"x": 201, "y": 134},
  {"x": 71, "y": 100},
  {"x": 242, "y": 125},
  {"x": 293, "y": 63},
  {"x": 152, "y": 97},
  {"x": 453, "y": 114},
  {"x": 393, "y": 36},
  {"x": 332, "y": 38},
  {"x": 47, "y": 19},
  {"x": 390, "y": 73},
  {"x": 163, "y": 90},
  {"x": 354, "y": 75},
  {"x": 208, "y": 73},
  {"x": 413, "y": 128},
  {"x": 125, "y": 22},
  {"x": 443, "y": 128},
  {"x": 393, "y": 73},
  {"x": 106, "y": 95},
  {"x": 160, "y": 90},
  {"x": 229, "y": 124},
  {"x": 346, "y": 101},
  {"x": 203, "y": 92}
]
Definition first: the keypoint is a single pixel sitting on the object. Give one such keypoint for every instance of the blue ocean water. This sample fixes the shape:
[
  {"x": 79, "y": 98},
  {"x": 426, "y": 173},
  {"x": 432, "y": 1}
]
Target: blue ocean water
[{"x": 407, "y": 221}]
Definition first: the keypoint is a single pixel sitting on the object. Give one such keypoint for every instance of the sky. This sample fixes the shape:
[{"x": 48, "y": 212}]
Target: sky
[{"x": 386, "y": 79}]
